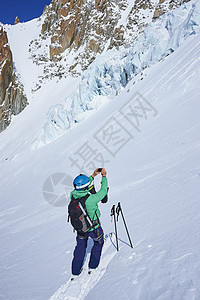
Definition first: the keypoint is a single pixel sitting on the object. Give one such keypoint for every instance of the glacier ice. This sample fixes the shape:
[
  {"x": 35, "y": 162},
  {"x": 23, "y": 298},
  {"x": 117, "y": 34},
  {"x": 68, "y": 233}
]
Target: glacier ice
[{"x": 111, "y": 72}]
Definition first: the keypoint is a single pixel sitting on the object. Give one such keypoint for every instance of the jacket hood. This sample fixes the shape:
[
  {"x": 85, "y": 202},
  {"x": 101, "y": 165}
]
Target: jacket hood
[{"x": 78, "y": 194}]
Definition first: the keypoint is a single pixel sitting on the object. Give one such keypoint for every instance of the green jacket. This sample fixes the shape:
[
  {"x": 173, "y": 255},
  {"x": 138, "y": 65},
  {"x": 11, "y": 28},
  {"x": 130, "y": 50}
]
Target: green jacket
[{"x": 93, "y": 199}]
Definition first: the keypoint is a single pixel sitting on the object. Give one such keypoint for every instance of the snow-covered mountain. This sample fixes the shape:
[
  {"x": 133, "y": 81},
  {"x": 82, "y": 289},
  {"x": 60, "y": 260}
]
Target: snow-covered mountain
[
  {"x": 65, "y": 40},
  {"x": 111, "y": 72},
  {"x": 145, "y": 132}
]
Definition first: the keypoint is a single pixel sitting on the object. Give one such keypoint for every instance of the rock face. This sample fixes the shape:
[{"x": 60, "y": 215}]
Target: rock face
[
  {"x": 12, "y": 98},
  {"x": 73, "y": 33},
  {"x": 76, "y": 23},
  {"x": 84, "y": 28},
  {"x": 17, "y": 20},
  {"x": 164, "y": 6}
]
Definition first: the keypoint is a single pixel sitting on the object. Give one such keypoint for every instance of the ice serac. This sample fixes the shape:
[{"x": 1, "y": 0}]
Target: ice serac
[
  {"x": 71, "y": 36},
  {"x": 86, "y": 28},
  {"x": 12, "y": 98},
  {"x": 111, "y": 72}
]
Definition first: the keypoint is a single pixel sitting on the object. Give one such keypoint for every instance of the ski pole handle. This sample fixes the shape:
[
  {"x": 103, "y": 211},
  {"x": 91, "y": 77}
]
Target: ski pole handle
[
  {"x": 118, "y": 210},
  {"x": 112, "y": 212}
]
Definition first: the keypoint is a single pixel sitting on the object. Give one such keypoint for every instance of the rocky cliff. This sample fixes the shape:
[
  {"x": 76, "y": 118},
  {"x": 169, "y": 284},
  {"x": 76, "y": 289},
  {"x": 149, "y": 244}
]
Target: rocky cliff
[
  {"x": 77, "y": 30},
  {"x": 12, "y": 98},
  {"x": 73, "y": 33}
]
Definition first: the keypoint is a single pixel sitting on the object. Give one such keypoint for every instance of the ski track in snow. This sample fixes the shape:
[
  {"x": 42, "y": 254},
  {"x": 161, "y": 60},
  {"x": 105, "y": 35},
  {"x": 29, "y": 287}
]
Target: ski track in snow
[{"x": 80, "y": 287}]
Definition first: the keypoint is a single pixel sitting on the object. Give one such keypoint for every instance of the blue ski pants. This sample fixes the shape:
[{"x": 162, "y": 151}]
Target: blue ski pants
[{"x": 80, "y": 249}]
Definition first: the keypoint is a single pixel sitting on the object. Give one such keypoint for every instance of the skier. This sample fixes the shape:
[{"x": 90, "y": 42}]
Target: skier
[{"x": 83, "y": 186}]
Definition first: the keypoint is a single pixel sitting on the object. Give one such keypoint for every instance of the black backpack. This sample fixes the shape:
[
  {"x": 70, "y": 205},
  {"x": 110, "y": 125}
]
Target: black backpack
[{"x": 78, "y": 214}]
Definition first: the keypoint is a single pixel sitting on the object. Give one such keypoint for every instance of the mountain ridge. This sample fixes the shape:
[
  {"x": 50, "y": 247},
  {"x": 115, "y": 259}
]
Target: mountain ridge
[{"x": 73, "y": 34}]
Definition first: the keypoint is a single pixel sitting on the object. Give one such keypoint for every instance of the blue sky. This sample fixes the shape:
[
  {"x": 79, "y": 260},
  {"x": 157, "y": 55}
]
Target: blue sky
[{"x": 26, "y": 10}]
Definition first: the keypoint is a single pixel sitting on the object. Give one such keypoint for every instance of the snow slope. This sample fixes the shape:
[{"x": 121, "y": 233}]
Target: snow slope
[
  {"x": 153, "y": 170},
  {"x": 110, "y": 73},
  {"x": 19, "y": 37},
  {"x": 52, "y": 91}
]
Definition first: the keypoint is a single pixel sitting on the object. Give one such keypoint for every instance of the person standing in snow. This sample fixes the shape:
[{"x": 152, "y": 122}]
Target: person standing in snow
[{"x": 84, "y": 187}]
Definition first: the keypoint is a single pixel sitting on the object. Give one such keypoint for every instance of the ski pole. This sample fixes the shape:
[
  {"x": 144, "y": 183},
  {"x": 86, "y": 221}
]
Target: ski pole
[
  {"x": 118, "y": 210},
  {"x": 113, "y": 214}
]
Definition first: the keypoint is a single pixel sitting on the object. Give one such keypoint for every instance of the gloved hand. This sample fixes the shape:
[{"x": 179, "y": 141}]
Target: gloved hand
[
  {"x": 95, "y": 173},
  {"x": 103, "y": 172}
]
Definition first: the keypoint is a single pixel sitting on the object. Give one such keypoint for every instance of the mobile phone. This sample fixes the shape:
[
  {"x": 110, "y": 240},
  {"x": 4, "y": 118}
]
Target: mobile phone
[{"x": 99, "y": 169}]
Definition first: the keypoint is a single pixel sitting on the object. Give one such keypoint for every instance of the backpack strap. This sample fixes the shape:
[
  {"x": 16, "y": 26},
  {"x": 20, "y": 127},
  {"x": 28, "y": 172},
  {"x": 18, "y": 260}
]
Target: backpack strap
[
  {"x": 85, "y": 214},
  {"x": 97, "y": 218}
]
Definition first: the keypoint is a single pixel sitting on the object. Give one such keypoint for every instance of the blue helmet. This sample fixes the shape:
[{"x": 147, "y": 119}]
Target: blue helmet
[{"x": 81, "y": 182}]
